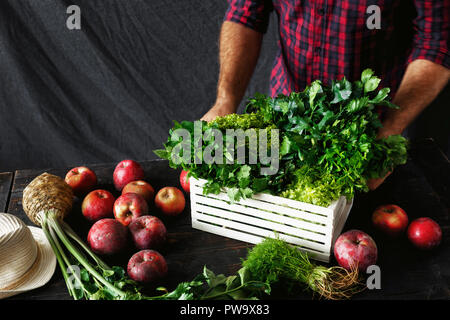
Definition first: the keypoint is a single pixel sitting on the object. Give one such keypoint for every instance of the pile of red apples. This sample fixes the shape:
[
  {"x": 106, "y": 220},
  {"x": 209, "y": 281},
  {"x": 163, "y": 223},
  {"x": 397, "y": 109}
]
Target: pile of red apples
[{"x": 116, "y": 220}]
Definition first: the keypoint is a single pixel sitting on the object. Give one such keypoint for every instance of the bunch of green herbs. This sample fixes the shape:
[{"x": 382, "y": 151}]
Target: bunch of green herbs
[{"x": 328, "y": 143}]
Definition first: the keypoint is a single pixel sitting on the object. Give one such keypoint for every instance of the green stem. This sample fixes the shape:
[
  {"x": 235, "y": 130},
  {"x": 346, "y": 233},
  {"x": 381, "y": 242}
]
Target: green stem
[
  {"x": 53, "y": 220},
  {"x": 205, "y": 297},
  {"x": 51, "y": 240},
  {"x": 68, "y": 264}
]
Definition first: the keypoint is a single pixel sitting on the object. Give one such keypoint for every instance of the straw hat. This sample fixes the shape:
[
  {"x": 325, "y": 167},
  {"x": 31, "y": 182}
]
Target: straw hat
[{"x": 26, "y": 258}]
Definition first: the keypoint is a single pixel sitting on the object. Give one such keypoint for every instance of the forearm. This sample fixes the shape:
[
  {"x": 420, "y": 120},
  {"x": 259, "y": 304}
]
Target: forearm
[
  {"x": 239, "y": 49},
  {"x": 421, "y": 84}
]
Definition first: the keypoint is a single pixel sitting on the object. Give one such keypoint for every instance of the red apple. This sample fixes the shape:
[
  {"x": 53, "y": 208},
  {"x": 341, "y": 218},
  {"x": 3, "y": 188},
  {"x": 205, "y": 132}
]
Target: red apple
[
  {"x": 141, "y": 188},
  {"x": 147, "y": 266},
  {"x": 184, "y": 181},
  {"x": 355, "y": 248},
  {"x": 81, "y": 180},
  {"x": 125, "y": 172},
  {"x": 170, "y": 201},
  {"x": 108, "y": 237},
  {"x": 98, "y": 204},
  {"x": 129, "y": 206},
  {"x": 424, "y": 233},
  {"x": 390, "y": 219},
  {"x": 148, "y": 232}
]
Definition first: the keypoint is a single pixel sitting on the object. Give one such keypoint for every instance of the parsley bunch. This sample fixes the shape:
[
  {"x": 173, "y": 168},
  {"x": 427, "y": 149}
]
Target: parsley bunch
[{"x": 331, "y": 134}]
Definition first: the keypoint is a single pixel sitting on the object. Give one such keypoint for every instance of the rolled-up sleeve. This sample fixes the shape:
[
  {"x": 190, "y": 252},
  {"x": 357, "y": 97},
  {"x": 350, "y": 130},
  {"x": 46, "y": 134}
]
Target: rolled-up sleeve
[
  {"x": 253, "y": 14},
  {"x": 432, "y": 25}
]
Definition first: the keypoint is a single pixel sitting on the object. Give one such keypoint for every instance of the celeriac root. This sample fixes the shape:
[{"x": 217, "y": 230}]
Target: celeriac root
[{"x": 47, "y": 192}]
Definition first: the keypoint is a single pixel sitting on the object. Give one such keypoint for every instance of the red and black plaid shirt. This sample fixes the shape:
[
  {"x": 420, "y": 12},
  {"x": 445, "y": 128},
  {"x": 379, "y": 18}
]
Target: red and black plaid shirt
[{"x": 327, "y": 40}]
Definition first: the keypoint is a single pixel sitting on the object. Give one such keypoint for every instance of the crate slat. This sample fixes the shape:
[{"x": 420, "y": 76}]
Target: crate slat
[
  {"x": 295, "y": 213},
  {"x": 340, "y": 221},
  {"x": 308, "y": 207},
  {"x": 278, "y": 217},
  {"x": 249, "y": 238},
  {"x": 283, "y": 201},
  {"x": 311, "y": 228},
  {"x": 248, "y": 222}
]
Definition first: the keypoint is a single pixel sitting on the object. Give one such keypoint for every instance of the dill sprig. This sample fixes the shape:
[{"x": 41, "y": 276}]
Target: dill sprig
[{"x": 275, "y": 261}]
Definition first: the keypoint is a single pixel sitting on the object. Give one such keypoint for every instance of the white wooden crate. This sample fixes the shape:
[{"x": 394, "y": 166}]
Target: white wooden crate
[{"x": 311, "y": 228}]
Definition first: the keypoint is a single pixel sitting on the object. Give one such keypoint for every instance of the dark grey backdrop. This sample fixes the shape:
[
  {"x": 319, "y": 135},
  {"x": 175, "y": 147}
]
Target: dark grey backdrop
[{"x": 111, "y": 90}]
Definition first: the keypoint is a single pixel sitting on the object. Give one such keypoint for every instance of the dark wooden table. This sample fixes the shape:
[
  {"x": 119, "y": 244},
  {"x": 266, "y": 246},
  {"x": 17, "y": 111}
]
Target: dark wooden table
[{"x": 421, "y": 187}]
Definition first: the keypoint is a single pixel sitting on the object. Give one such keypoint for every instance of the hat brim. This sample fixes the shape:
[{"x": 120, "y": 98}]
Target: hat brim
[{"x": 40, "y": 272}]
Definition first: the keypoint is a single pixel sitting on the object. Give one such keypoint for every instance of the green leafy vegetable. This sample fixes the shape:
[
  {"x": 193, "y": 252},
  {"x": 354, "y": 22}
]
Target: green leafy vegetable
[
  {"x": 209, "y": 286},
  {"x": 328, "y": 143},
  {"x": 274, "y": 261}
]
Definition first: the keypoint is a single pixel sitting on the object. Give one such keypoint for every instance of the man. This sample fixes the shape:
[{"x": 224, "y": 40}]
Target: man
[{"x": 327, "y": 40}]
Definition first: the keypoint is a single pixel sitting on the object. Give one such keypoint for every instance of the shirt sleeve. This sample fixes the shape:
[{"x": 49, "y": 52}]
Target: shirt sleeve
[
  {"x": 253, "y": 14},
  {"x": 432, "y": 25}
]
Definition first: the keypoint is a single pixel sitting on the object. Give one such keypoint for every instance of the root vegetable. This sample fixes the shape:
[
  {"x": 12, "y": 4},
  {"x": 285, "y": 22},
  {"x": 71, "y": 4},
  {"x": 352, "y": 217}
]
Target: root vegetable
[
  {"x": 47, "y": 192},
  {"x": 47, "y": 200}
]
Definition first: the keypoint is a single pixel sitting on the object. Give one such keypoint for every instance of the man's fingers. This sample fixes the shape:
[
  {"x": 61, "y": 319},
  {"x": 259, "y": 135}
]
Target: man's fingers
[
  {"x": 206, "y": 118},
  {"x": 375, "y": 183}
]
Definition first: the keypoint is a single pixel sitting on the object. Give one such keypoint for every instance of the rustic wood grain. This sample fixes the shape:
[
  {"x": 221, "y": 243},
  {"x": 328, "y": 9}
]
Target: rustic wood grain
[
  {"x": 5, "y": 188},
  {"x": 420, "y": 187}
]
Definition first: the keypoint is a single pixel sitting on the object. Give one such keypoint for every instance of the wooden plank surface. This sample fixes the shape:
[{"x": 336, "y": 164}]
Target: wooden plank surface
[
  {"x": 5, "y": 188},
  {"x": 420, "y": 187}
]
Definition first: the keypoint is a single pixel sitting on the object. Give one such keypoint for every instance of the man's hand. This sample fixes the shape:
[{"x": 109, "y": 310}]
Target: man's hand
[
  {"x": 376, "y": 182},
  {"x": 218, "y": 110}
]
